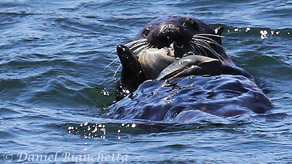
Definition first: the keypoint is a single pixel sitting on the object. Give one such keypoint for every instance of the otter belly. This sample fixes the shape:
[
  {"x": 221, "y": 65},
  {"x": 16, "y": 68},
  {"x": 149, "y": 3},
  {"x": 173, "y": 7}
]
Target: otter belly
[{"x": 192, "y": 99}]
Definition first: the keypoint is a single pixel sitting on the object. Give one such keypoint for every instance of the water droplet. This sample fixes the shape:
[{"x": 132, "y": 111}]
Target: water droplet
[
  {"x": 264, "y": 34},
  {"x": 95, "y": 130}
]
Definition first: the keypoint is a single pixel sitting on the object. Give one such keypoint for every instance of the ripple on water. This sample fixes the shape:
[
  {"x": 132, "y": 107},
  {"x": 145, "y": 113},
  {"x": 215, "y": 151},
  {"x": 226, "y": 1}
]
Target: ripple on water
[{"x": 7, "y": 112}]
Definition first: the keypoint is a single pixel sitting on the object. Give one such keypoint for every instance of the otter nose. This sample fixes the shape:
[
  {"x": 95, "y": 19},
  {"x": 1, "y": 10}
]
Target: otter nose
[
  {"x": 165, "y": 34},
  {"x": 169, "y": 28}
]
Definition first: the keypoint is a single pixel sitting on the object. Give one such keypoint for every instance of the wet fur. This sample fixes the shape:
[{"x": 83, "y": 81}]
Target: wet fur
[{"x": 187, "y": 39}]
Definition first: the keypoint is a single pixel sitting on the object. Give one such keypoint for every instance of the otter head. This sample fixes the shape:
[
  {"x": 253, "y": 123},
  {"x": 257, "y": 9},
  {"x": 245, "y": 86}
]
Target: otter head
[
  {"x": 183, "y": 34},
  {"x": 162, "y": 49},
  {"x": 175, "y": 33}
]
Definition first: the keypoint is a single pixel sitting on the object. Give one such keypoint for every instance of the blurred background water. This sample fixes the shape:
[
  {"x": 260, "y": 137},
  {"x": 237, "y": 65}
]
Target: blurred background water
[{"x": 55, "y": 83}]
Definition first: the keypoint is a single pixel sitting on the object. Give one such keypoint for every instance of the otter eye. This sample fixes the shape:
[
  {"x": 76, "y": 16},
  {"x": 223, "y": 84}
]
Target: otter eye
[
  {"x": 192, "y": 24},
  {"x": 195, "y": 25},
  {"x": 145, "y": 32}
]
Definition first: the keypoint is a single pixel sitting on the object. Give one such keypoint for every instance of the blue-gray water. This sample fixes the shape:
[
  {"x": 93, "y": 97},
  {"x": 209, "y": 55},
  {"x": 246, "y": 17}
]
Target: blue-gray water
[{"x": 55, "y": 83}]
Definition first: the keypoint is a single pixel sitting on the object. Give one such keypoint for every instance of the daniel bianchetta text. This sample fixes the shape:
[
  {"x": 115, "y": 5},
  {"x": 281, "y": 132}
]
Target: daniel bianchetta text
[{"x": 66, "y": 157}]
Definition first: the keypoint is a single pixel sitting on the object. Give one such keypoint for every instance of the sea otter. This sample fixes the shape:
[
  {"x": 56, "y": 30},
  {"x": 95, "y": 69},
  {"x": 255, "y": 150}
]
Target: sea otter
[{"x": 181, "y": 68}]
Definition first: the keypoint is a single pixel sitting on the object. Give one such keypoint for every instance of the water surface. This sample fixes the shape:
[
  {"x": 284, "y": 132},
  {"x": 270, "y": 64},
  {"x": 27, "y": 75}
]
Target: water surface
[{"x": 55, "y": 83}]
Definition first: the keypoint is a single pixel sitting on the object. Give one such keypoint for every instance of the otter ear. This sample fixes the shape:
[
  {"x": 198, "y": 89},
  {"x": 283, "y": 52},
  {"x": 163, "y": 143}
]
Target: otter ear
[{"x": 219, "y": 30}]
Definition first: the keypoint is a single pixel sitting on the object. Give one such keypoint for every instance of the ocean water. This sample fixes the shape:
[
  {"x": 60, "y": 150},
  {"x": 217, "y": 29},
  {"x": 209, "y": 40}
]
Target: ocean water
[{"x": 56, "y": 81}]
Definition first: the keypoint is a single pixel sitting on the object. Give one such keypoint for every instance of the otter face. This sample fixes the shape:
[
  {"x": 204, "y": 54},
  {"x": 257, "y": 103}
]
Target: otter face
[
  {"x": 165, "y": 33},
  {"x": 183, "y": 35}
]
